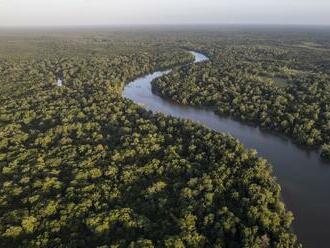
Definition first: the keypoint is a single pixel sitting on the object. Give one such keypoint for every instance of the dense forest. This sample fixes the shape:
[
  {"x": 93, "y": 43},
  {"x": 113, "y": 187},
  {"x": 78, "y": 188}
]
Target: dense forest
[
  {"x": 280, "y": 82},
  {"x": 80, "y": 166}
]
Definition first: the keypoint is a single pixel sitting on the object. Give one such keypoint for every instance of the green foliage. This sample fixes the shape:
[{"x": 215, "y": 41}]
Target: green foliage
[
  {"x": 234, "y": 82},
  {"x": 82, "y": 167},
  {"x": 325, "y": 151}
]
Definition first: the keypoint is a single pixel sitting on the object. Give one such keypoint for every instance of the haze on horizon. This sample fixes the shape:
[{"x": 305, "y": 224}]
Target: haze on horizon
[{"x": 116, "y": 12}]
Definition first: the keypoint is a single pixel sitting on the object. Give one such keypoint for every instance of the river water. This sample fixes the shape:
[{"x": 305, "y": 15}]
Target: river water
[{"x": 304, "y": 178}]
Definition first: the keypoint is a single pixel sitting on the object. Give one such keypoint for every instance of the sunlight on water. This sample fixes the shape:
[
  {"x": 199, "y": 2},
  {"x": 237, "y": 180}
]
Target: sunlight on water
[{"x": 59, "y": 83}]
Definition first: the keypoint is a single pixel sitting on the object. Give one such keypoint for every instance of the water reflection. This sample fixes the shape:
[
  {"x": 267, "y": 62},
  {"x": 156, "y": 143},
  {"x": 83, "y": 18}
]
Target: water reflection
[
  {"x": 59, "y": 82},
  {"x": 304, "y": 178}
]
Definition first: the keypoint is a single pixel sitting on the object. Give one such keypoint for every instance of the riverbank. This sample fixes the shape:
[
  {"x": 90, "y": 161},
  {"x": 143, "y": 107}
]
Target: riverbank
[{"x": 300, "y": 173}]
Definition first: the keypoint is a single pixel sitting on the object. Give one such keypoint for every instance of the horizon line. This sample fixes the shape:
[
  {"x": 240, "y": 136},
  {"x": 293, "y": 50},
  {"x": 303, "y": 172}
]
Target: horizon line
[{"x": 164, "y": 24}]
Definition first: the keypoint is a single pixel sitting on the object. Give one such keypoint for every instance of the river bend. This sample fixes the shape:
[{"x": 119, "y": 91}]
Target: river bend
[{"x": 304, "y": 178}]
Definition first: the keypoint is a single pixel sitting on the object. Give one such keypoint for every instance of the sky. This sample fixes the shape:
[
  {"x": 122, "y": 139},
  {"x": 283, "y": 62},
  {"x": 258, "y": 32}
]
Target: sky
[{"x": 116, "y": 12}]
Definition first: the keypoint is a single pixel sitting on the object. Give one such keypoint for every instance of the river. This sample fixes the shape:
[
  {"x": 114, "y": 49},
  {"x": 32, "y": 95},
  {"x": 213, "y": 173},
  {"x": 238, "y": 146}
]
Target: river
[{"x": 304, "y": 178}]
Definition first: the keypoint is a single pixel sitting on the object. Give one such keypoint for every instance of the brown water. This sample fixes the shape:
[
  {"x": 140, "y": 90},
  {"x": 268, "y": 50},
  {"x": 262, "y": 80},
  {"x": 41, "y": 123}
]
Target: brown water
[{"x": 304, "y": 178}]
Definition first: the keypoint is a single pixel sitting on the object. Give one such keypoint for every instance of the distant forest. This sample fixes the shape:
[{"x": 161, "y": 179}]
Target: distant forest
[{"x": 280, "y": 82}]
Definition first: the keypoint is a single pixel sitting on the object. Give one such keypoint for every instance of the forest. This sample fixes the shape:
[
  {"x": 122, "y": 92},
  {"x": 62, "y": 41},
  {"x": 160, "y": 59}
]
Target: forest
[
  {"x": 281, "y": 83},
  {"x": 80, "y": 166}
]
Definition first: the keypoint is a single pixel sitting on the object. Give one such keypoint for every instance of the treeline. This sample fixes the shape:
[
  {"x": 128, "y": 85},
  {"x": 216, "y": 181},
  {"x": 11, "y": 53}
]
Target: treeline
[
  {"x": 268, "y": 86},
  {"x": 82, "y": 167}
]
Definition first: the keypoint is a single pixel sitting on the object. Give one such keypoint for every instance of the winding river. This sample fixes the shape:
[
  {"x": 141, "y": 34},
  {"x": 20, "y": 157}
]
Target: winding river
[{"x": 304, "y": 178}]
